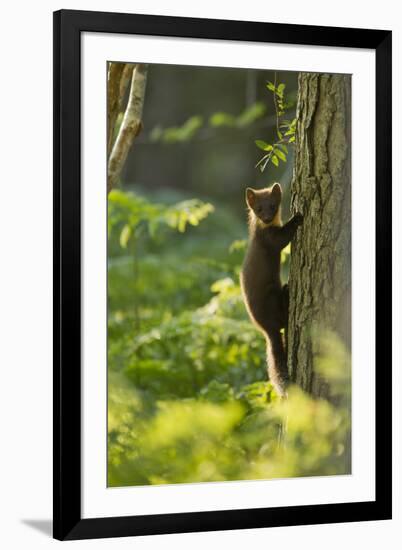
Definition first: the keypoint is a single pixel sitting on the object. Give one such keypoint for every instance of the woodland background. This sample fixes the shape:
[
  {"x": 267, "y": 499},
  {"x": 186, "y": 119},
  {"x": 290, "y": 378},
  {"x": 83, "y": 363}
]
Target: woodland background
[{"x": 188, "y": 398}]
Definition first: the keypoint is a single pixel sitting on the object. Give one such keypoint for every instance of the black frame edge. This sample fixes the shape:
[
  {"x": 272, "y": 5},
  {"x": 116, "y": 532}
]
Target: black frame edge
[
  {"x": 57, "y": 470},
  {"x": 192, "y": 27},
  {"x": 383, "y": 120},
  {"x": 66, "y": 265},
  {"x": 226, "y": 520}
]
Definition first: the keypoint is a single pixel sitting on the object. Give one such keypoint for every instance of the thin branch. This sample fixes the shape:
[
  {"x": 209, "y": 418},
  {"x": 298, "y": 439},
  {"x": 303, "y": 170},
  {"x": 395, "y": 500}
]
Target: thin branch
[
  {"x": 126, "y": 76},
  {"x": 276, "y": 109},
  {"x": 130, "y": 126}
]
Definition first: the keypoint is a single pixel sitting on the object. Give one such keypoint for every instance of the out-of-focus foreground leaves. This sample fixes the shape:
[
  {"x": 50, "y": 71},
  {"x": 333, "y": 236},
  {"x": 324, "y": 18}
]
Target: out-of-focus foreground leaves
[{"x": 188, "y": 400}]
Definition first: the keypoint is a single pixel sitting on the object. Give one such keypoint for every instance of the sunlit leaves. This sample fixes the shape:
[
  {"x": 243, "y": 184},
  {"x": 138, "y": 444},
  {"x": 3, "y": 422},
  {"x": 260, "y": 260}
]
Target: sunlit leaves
[
  {"x": 223, "y": 286},
  {"x": 280, "y": 154},
  {"x": 176, "y": 422},
  {"x": 245, "y": 118},
  {"x": 251, "y": 114},
  {"x": 217, "y": 392},
  {"x": 263, "y": 145},
  {"x": 125, "y": 235},
  {"x": 279, "y": 96},
  {"x": 187, "y": 212},
  {"x": 238, "y": 245},
  {"x": 128, "y": 212},
  {"x": 257, "y": 394},
  {"x": 220, "y": 119},
  {"x": 192, "y": 404},
  {"x": 219, "y": 434},
  {"x": 280, "y": 90},
  {"x": 271, "y": 87},
  {"x": 285, "y": 130},
  {"x": 276, "y": 152},
  {"x": 191, "y": 128},
  {"x": 177, "y": 134},
  {"x": 188, "y": 397}
]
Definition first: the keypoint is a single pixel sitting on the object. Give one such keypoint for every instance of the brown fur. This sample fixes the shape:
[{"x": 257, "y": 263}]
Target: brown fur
[{"x": 265, "y": 298}]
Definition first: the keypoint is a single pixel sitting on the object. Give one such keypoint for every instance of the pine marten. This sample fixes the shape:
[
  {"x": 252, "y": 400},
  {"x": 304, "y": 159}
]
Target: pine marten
[{"x": 266, "y": 300}]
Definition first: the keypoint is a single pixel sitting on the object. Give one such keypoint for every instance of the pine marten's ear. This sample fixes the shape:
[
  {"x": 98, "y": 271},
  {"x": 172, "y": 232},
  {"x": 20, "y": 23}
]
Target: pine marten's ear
[
  {"x": 250, "y": 197},
  {"x": 276, "y": 190}
]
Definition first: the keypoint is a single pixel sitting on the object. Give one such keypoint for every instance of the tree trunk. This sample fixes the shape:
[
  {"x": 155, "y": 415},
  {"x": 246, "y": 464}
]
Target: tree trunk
[
  {"x": 320, "y": 268},
  {"x": 132, "y": 120}
]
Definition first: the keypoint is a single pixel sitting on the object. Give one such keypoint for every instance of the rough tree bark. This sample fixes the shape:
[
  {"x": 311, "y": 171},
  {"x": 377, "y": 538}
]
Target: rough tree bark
[
  {"x": 119, "y": 77},
  {"x": 320, "y": 268},
  {"x": 113, "y": 95}
]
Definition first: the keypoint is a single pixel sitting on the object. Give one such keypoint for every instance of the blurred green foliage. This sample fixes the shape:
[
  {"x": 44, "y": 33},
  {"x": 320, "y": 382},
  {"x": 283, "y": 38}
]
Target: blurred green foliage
[
  {"x": 199, "y": 127},
  {"x": 245, "y": 118},
  {"x": 190, "y": 128},
  {"x": 188, "y": 399},
  {"x": 177, "y": 134}
]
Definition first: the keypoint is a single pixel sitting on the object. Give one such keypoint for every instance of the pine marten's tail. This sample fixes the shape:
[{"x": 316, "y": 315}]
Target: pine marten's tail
[{"x": 277, "y": 362}]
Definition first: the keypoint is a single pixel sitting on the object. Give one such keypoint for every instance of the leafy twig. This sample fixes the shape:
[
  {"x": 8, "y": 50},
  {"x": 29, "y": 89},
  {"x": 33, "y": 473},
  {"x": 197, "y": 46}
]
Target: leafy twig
[{"x": 278, "y": 150}]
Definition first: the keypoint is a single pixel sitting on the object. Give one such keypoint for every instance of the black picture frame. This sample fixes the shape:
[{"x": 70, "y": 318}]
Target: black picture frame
[{"x": 68, "y": 26}]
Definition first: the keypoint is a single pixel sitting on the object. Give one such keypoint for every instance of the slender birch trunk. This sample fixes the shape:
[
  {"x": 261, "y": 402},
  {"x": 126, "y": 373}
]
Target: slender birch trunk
[{"x": 130, "y": 127}]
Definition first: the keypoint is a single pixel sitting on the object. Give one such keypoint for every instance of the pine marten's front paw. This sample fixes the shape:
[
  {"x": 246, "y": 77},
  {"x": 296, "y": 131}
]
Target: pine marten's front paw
[{"x": 298, "y": 218}]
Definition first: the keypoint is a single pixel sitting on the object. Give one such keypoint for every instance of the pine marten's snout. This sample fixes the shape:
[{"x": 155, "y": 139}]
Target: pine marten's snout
[{"x": 269, "y": 213}]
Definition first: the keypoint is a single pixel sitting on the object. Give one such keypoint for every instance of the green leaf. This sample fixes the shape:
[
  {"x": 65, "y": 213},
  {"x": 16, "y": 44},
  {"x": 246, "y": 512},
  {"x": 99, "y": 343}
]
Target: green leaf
[
  {"x": 275, "y": 160},
  {"x": 222, "y": 119},
  {"x": 239, "y": 244},
  {"x": 280, "y": 154},
  {"x": 222, "y": 285},
  {"x": 263, "y": 145},
  {"x": 280, "y": 89},
  {"x": 270, "y": 86},
  {"x": 283, "y": 147},
  {"x": 182, "y": 133},
  {"x": 251, "y": 114},
  {"x": 125, "y": 236},
  {"x": 190, "y": 211}
]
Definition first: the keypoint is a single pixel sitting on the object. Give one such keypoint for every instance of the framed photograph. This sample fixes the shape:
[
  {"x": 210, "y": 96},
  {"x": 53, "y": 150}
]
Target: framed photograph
[{"x": 222, "y": 274}]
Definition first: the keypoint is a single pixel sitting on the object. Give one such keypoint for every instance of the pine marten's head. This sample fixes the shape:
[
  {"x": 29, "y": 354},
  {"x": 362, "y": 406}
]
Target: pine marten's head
[{"x": 265, "y": 204}]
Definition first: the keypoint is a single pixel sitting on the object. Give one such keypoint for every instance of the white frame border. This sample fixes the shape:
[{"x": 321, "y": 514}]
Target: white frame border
[{"x": 97, "y": 499}]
